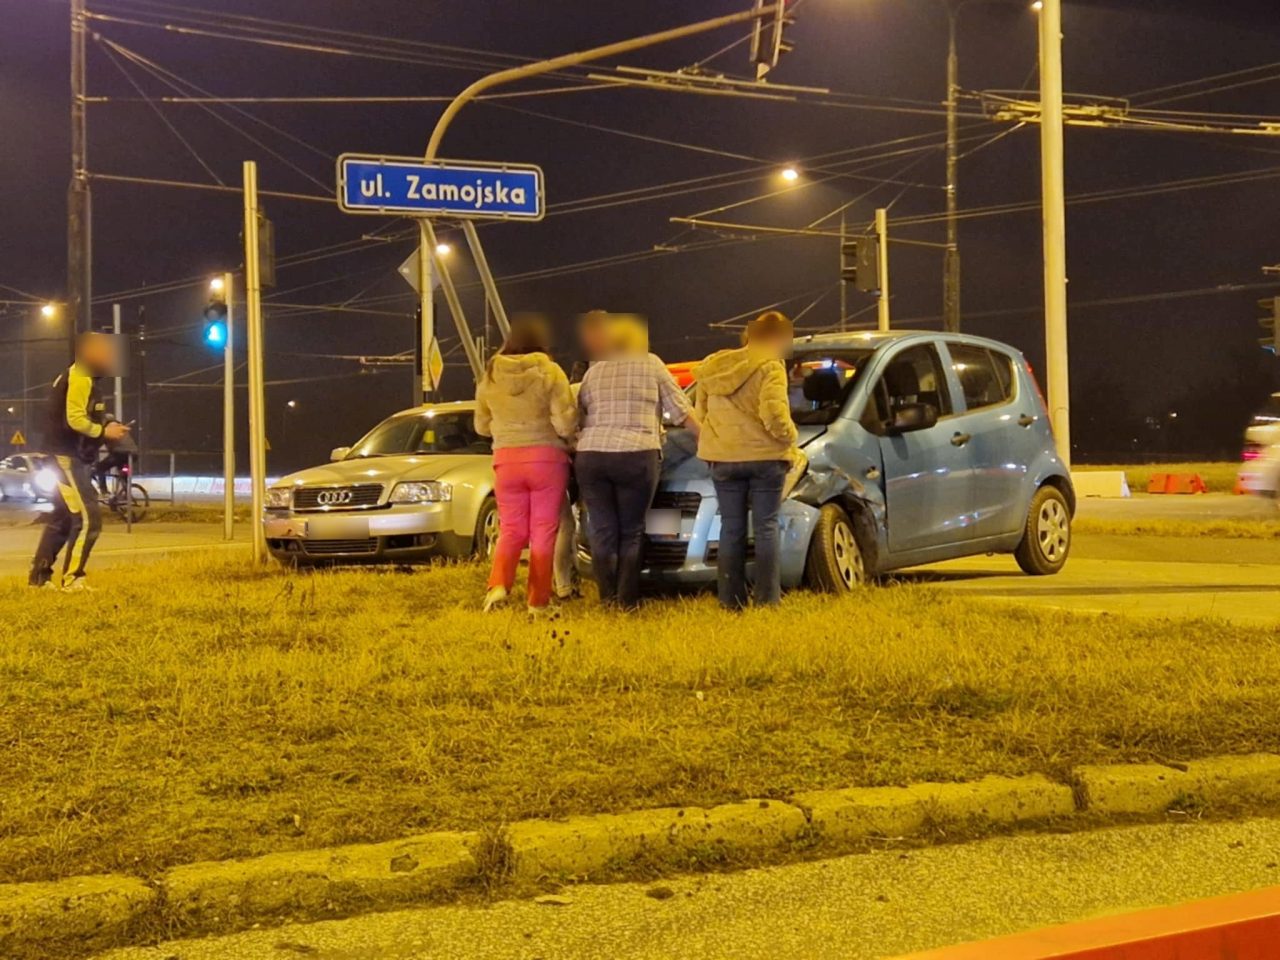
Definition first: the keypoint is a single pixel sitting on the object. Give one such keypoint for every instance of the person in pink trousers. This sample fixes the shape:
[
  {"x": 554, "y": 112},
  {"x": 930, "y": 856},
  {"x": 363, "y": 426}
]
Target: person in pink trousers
[{"x": 524, "y": 403}]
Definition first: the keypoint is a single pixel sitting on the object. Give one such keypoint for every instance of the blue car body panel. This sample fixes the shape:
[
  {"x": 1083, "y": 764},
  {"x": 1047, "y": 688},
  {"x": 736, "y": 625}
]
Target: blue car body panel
[{"x": 960, "y": 487}]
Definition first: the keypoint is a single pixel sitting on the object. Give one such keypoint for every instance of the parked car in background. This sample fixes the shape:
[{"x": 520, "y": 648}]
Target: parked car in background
[
  {"x": 921, "y": 447},
  {"x": 22, "y": 477},
  {"x": 418, "y": 485},
  {"x": 1260, "y": 471}
]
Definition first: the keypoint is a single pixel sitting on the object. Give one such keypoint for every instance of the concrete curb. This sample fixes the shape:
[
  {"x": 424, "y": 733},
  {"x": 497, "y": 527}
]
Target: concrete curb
[
  {"x": 1145, "y": 788},
  {"x": 374, "y": 874},
  {"x": 84, "y": 911},
  {"x": 225, "y": 895},
  {"x": 582, "y": 846},
  {"x": 847, "y": 815}
]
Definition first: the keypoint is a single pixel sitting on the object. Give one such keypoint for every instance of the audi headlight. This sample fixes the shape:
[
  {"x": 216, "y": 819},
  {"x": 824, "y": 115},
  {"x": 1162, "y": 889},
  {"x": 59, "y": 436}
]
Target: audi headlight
[
  {"x": 46, "y": 481},
  {"x": 425, "y": 491},
  {"x": 279, "y": 498}
]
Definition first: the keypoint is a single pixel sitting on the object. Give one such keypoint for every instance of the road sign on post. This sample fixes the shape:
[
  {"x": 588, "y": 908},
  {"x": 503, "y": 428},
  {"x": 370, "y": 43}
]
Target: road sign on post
[{"x": 448, "y": 188}]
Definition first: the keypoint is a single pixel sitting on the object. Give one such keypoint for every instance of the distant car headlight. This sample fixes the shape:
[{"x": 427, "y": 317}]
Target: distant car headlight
[
  {"x": 279, "y": 498},
  {"x": 46, "y": 481},
  {"x": 425, "y": 491}
]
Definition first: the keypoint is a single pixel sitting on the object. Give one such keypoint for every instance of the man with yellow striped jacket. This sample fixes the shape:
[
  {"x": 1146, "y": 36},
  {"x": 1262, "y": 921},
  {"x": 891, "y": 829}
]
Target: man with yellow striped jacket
[{"x": 75, "y": 429}]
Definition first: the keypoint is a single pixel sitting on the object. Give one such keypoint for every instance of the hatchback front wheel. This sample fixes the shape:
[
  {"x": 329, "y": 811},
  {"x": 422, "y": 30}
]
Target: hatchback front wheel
[
  {"x": 835, "y": 563},
  {"x": 1046, "y": 541}
]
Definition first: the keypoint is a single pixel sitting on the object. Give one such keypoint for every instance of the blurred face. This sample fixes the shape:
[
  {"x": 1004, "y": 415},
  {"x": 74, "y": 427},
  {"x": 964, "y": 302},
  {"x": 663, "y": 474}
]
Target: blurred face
[
  {"x": 777, "y": 346},
  {"x": 101, "y": 353},
  {"x": 594, "y": 333}
]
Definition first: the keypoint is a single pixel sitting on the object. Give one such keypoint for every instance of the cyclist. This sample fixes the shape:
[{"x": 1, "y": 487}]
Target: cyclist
[
  {"x": 75, "y": 429},
  {"x": 113, "y": 461}
]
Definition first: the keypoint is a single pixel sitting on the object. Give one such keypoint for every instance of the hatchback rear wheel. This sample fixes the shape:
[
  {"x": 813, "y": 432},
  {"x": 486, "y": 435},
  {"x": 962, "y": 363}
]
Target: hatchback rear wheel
[
  {"x": 1046, "y": 541},
  {"x": 835, "y": 563}
]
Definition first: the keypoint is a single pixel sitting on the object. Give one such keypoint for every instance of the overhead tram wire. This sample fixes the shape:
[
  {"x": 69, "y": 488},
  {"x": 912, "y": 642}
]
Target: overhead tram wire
[
  {"x": 115, "y": 61},
  {"x": 1203, "y": 81}
]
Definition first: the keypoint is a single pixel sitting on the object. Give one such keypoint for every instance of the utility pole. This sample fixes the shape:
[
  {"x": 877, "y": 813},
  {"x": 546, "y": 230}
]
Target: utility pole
[
  {"x": 426, "y": 314},
  {"x": 144, "y": 421},
  {"x": 951, "y": 257},
  {"x": 79, "y": 243},
  {"x": 882, "y": 240},
  {"x": 228, "y": 415},
  {"x": 257, "y": 398},
  {"x": 1055, "y": 225}
]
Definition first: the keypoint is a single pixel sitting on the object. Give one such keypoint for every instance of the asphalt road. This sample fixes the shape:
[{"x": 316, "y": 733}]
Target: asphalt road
[
  {"x": 1142, "y": 576},
  {"x": 871, "y": 905}
]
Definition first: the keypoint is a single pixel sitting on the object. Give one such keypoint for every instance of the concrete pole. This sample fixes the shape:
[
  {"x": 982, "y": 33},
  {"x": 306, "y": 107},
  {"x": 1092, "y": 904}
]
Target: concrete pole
[
  {"x": 257, "y": 398},
  {"x": 951, "y": 258},
  {"x": 882, "y": 237},
  {"x": 228, "y": 416},
  {"x": 1055, "y": 226},
  {"x": 119, "y": 381},
  {"x": 844, "y": 287},
  {"x": 79, "y": 244}
]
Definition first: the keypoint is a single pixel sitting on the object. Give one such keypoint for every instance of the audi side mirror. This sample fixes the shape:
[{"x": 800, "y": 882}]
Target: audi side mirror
[
  {"x": 339, "y": 453},
  {"x": 913, "y": 416}
]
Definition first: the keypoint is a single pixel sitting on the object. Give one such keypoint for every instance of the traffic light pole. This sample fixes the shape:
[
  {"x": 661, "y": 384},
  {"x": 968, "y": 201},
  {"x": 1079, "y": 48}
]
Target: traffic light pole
[
  {"x": 1055, "y": 226},
  {"x": 951, "y": 258},
  {"x": 228, "y": 416},
  {"x": 524, "y": 72},
  {"x": 257, "y": 398},
  {"x": 882, "y": 238}
]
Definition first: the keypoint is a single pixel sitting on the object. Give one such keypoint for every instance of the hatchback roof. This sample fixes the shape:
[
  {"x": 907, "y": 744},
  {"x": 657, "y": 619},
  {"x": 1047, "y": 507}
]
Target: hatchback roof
[{"x": 878, "y": 338}]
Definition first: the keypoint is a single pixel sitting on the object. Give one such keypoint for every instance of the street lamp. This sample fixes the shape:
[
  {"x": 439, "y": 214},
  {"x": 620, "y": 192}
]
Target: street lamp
[
  {"x": 789, "y": 174},
  {"x": 443, "y": 249},
  {"x": 49, "y": 310}
]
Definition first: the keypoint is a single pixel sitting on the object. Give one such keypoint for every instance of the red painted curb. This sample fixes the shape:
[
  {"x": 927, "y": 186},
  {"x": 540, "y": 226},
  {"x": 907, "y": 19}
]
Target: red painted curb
[{"x": 1243, "y": 926}]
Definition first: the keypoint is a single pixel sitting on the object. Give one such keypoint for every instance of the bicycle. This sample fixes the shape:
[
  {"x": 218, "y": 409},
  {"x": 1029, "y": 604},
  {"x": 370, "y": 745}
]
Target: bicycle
[{"x": 125, "y": 497}]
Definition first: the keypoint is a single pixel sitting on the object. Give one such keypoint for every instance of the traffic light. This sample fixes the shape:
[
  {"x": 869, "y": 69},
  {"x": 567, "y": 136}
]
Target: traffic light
[
  {"x": 215, "y": 318},
  {"x": 768, "y": 37},
  {"x": 1269, "y": 321},
  {"x": 860, "y": 263}
]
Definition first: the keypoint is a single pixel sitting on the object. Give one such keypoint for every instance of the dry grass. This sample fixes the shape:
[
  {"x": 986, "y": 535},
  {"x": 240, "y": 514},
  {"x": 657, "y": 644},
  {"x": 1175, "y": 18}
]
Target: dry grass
[
  {"x": 195, "y": 709},
  {"x": 1261, "y": 528},
  {"x": 1219, "y": 477}
]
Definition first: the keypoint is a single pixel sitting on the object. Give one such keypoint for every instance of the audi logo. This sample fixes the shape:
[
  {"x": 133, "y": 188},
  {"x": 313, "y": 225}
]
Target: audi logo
[{"x": 333, "y": 498}]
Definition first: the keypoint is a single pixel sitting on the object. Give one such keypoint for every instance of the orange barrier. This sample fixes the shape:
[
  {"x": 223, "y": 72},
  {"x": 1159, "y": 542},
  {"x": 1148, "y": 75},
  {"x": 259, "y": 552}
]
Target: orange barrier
[
  {"x": 1176, "y": 483},
  {"x": 1243, "y": 926}
]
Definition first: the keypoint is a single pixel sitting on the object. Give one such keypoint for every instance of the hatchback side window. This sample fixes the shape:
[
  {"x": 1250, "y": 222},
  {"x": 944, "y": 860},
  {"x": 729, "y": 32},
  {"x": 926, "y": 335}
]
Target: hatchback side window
[
  {"x": 985, "y": 377},
  {"x": 913, "y": 376}
]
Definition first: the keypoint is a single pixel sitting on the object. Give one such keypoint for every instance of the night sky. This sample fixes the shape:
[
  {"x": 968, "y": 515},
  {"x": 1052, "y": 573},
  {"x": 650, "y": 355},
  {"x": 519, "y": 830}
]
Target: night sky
[{"x": 1140, "y": 348}]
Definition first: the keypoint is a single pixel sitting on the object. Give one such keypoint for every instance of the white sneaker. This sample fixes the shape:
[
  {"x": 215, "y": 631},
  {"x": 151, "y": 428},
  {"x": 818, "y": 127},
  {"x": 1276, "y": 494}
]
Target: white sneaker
[
  {"x": 77, "y": 585},
  {"x": 496, "y": 597}
]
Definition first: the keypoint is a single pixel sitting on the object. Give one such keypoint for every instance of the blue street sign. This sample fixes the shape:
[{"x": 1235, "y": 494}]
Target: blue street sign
[{"x": 405, "y": 185}]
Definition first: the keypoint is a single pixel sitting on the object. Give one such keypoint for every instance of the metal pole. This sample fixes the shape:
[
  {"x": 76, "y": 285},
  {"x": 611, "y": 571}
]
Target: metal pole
[
  {"x": 951, "y": 258},
  {"x": 426, "y": 306},
  {"x": 882, "y": 236},
  {"x": 79, "y": 243},
  {"x": 1055, "y": 225},
  {"x": 119, "y": 384},
  {"x": 486, "y": 278},
  {"x": 257, "y": 398},
  {"x": 455, "y": 307},
  {"x": 228, "y": 417},
  {"x": 844, "y": 287}
]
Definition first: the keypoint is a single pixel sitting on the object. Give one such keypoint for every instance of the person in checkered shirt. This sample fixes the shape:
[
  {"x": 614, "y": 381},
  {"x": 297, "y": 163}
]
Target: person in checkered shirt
[{"x": 625, "y": 399}]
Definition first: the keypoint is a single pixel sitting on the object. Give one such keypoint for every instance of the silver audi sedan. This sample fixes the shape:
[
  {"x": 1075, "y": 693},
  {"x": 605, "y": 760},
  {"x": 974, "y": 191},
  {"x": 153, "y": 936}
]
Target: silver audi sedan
[{"x": 419, "y": 485}]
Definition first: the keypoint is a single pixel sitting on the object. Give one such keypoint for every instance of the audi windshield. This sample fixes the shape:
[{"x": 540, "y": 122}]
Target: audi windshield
[{"x": 408, "y": 434}]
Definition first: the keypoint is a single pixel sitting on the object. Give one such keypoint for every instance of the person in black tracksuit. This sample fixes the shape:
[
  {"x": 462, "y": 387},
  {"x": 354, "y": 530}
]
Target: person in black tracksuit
[{"x": 75, "y": 429}]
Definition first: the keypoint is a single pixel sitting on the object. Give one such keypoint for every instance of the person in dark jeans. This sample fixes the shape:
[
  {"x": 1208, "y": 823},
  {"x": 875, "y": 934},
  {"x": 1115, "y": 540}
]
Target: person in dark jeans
[
  {"x": 749, "y": 440},
  {"x": 623, "y": 400},
  {"x": 617, "y": 489}
]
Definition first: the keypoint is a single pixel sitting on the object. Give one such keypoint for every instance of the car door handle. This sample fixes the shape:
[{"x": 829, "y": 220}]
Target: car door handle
[
  {"x": 872, "y": 473},
  {"x": 960, "y": 439},
  {"x": 1026, "y": 421}
]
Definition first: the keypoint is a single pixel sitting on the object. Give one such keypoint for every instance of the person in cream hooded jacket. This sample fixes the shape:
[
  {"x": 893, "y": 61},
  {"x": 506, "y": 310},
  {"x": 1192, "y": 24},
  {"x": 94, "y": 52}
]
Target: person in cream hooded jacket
[
  {"x": 749, "y": 440},
  {"x": 524, "y": 403}
]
